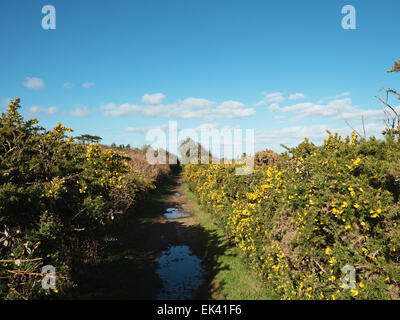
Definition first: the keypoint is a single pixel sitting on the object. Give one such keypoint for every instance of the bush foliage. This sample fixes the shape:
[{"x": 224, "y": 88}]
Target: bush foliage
[
  {"x": 56, "y": 199},
  {"x": 300, "y": 220}
]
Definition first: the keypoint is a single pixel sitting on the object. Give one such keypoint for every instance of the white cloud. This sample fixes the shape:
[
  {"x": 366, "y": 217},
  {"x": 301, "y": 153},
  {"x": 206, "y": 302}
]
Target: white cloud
[
  {"x": 230, "y": 104},
  {"x": 88, "y": 85},
  {"x": 296, "y": 96},
  {"x": 277, "y": 97},
  {"x": 340, "y": 95},
  {"x": 260, "y": 103},
  {"x": 80, "y": 112},
  {"x": 336, "y": 109},
  {"x": 35, "y": 110},
  {"x": 371, "y": 114},
  {"x": 274, "y": 97},
  {"x": 33, "y": 83},
  {"x": 274, "y": 107},
  {"x": 202, "y": 127},
  {"x": 155, "y": 98},
  {"x": 68, "y": 85},
  {"x": 307, "y": 109},
  {"x": 196, "y": 103},
  {"x": 181, "y": 110}
]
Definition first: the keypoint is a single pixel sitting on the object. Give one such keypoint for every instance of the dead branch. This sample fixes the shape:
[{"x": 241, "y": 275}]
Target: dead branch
[
  {"x": 354, "y": 130},
  {"x": 17, "y": 293},
  {"x": 20, "y": 260}
]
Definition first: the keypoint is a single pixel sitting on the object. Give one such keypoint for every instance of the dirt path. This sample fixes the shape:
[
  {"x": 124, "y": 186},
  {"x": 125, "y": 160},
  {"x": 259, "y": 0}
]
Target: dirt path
[
  {"x": 178, "y": 245},
  {"x": 151, "y": 257}
]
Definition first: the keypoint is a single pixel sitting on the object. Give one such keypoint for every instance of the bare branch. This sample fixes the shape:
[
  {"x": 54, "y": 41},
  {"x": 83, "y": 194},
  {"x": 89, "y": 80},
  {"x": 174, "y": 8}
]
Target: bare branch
[{"x": 354, "y": 130}]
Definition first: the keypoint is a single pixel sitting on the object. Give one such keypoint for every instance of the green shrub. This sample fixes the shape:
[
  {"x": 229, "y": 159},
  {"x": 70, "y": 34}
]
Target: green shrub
[
  {"x": 56, "y": 199},
  {"x": 301, "y": 221}
]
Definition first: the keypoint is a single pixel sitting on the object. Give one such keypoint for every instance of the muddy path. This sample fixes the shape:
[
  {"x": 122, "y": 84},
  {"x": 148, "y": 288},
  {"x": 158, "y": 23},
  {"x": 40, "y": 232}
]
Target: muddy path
[
  {"x": 183, "y": 268},
  {"x": 159, "y": 253}
]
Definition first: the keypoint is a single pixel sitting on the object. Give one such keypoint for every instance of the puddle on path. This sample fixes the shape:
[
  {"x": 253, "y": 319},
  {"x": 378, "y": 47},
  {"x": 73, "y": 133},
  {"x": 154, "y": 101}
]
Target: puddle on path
[
  {"x": 174, "y": 213},
  {"x": 180, "y": 272},
  {"x": 177, "y": 194}
]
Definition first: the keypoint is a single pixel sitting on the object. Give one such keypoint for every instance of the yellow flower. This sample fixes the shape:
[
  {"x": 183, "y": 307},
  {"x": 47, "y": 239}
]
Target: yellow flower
[
  {"x": 328, "y": 251},
  {"x": 354, "y": 292},
  {"x": 348, "y": 227},
  {"x": 361, "y": 285},
  {"x": 332, "y": 260}
]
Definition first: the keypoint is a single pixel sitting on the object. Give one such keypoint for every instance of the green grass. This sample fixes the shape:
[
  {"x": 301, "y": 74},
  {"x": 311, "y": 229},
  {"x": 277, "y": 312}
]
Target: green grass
[{"x": 234, "y": 279}]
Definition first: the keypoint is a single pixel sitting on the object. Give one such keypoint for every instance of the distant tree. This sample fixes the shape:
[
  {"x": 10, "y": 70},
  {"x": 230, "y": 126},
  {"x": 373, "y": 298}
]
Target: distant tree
[{"x": 87, "y": 138}]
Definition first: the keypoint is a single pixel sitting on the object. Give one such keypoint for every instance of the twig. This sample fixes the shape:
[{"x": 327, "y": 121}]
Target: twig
[
  {"x": 319, "y": 266},
  {"x": 363, "y": 124},
  {"x": 21, "y": 272},
  {"x": 394, "y": 92},
  {"x": 385, "y": 102},
  {"x": 348, "y": 124},
  {"x": 17, "y": 293},
  {"x": 20, "y": 260}
]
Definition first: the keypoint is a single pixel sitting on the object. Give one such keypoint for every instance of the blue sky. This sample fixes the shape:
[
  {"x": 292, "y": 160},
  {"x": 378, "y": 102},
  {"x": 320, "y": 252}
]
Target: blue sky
[{"x": 117, "y": 68}]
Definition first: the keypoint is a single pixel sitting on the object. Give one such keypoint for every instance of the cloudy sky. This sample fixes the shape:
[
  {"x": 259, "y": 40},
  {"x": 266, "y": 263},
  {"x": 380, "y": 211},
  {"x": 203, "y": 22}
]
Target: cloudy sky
[{"x": 286, "y": 69}]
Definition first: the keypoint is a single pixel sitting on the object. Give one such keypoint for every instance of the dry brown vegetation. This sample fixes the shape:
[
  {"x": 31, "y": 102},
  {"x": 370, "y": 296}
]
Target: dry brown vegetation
[{"x": 138, "y": 162}]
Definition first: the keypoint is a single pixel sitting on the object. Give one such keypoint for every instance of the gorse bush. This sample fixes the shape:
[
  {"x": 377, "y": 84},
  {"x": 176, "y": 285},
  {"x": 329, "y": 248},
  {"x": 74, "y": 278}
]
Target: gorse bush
[
  {"x": 56, "y": 199},
  {"x": 300, "y": 220}
]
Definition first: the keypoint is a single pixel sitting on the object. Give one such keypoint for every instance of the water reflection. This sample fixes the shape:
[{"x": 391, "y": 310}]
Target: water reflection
[
  {"x": 174, "y": 213},
  {"x": 180, "y": 272}
]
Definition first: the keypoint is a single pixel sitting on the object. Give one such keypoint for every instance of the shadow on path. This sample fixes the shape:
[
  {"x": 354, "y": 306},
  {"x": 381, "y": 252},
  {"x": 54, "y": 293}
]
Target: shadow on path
[{"x": 127, "y": 267}]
